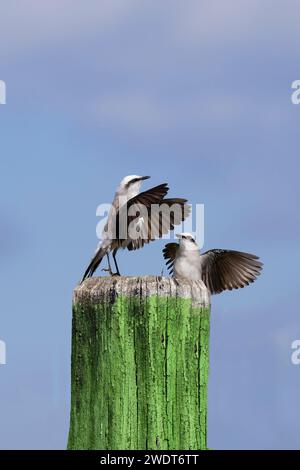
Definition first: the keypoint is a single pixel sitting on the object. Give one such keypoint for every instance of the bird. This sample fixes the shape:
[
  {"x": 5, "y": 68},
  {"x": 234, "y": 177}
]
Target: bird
[
  {"x": 136, "y": 218},
  {"x": 218, "y": 269}
]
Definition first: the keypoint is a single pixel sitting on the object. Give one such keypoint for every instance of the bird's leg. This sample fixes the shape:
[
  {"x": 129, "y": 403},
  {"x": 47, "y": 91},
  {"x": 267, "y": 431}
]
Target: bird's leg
[
  {"x": 109, "y": 266},
  {"x": 116, "y": 264}
]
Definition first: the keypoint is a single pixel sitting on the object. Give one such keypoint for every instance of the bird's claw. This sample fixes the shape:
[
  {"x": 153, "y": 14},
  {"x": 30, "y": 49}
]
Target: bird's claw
[{"x": 107, "y": 270}]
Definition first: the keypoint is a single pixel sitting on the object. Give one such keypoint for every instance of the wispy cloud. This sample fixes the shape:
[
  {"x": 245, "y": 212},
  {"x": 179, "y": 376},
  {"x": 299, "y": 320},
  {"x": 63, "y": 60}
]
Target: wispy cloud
[
  {"x": 29, "y": 25},
  {"x": 211, "y": 23},
  {"x": 147, "y": 113},
  {"x": 151, "y": 82},
  {"x": 204, "y": 23}
]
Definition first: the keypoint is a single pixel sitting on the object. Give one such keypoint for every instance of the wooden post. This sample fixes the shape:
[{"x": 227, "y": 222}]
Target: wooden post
[{"x": 140, "y": 362}]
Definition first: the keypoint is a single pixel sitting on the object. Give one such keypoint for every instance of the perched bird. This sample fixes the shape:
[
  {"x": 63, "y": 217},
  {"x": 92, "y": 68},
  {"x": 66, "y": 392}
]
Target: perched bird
[
  {"x": 218, "y": 269},
  {"x": 136, "y": 218}
]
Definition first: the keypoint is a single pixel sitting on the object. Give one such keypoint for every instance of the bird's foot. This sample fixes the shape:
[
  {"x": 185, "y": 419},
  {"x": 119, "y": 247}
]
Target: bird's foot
[{"x": 107, "y": 270}]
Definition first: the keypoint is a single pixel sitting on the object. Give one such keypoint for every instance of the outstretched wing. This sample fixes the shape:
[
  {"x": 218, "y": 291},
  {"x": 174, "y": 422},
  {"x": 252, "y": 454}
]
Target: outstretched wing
[
  {"x": 148, "y": 216},
  {"x": 228, "y": 269},
  {"x": 170, "y": 252}
]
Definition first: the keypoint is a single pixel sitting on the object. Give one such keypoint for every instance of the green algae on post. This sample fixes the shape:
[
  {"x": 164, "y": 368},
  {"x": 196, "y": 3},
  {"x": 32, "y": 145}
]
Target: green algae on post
[{"x": 140, "y": 364}]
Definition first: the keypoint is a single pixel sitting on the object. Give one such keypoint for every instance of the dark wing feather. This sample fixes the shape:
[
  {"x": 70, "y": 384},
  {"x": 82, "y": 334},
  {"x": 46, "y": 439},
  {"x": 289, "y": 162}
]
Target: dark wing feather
[
  {"x": 131, "y": 212},
  {"x": 157, "y": 213},
  {"x": 170, "y": 252},
  {"x": 228, "y": 269}
]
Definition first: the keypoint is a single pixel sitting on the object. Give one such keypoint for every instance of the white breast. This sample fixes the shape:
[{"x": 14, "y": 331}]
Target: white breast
[{"x": 187, "y": 265}]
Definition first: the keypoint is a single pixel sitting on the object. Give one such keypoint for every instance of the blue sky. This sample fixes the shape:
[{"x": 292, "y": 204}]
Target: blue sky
[{"x": 196, "y": 94}]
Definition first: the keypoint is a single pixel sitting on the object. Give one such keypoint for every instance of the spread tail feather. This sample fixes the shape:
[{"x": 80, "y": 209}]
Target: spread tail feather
[{"x": 95, "y": 263}]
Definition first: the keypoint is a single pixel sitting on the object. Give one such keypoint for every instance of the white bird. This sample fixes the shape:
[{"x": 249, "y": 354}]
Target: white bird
[
  {"x": 218, "y": 269},
  {"x": 136, "y": 218}
]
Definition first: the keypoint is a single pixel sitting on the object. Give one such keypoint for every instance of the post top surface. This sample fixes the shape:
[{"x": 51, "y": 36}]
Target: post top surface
[{"x": 97, "y": 289}]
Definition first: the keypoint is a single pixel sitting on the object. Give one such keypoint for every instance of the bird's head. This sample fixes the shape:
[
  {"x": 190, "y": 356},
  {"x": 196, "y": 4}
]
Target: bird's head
[
  {"x": 131, "y": 185},
  {"x": 187, "y": 241}
]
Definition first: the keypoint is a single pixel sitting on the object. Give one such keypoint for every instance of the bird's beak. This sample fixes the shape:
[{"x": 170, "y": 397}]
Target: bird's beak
[
  {"x": 178, "y": 235},
  {"x": 142, "y": 178}
]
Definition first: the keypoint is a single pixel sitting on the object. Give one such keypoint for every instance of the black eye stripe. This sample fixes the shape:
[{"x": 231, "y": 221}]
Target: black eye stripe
[
  {"x": 188, "y": 238},
  {"x": 131, "y": 182}
]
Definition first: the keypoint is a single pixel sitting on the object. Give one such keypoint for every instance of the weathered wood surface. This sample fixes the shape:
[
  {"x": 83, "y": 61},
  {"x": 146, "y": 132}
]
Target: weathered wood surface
[{"x": 140, "y": 363}]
